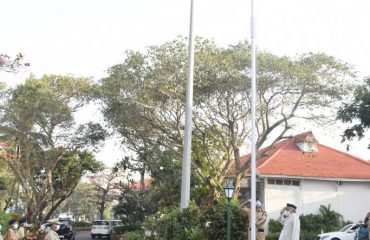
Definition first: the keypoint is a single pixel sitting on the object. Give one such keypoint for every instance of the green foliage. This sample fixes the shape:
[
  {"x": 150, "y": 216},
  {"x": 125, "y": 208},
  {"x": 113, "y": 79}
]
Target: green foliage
[
  {"x": 142, "y": 99},
  {"x": 4, "y": 219},
  {"x": 274, "y": 226},
  {"x": 196, "y": 223},
  {"x": 330, "y": 218},
  {"x": 47, "y": 151},
  {"x": 194, "y": 233},
  {"x": 81, "y": 224},
  {"x": 136, "y": 235},
  {"x": 357, "y": 111},
  {"x": 82, "y": 202}
]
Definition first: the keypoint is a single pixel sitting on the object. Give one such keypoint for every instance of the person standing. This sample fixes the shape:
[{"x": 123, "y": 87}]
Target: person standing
[
  {"x": 261, "y": 217},
  {"x": 291, "y": 223},
  {"x": 11, "y": 232},
  {"x": 1, "y": 235},
  {"x": 22, "y": 230},
  {"x": 362, "y": 232},
  {"x": 52, "y": 234}
]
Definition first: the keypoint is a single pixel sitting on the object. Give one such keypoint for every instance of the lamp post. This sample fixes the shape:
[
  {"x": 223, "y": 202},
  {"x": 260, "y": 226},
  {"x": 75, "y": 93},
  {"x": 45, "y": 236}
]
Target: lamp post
[{"x": 229, "y": 192}]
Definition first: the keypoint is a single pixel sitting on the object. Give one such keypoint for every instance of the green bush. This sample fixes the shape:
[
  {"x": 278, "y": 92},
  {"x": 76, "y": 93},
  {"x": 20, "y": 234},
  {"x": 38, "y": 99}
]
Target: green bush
[
  {"x": 78, "y": 224},
  {"x": 136, "y": 235},
  {"x": 194, "y": 223},
  {"x": 4, "y": 219}
]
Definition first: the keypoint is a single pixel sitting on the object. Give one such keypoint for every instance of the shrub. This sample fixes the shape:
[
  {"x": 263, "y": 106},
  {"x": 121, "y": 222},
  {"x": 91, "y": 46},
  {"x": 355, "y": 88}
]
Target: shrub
[
  {"x": 81, "y": 224},
  {"x": 136, "y": 235},
  {"x": 194, "y": 223},
  {"x": 4, "y": 219}
]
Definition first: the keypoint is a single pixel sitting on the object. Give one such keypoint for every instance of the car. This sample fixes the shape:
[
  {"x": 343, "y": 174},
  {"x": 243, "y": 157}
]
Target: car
[
  {"x": 347, "y": 232},
  {"x": 116, "y": 223},
  {"x": 65, "y": 230},
  {"x": 117, "y": 226},
  {"x": 101, "y": 228}
]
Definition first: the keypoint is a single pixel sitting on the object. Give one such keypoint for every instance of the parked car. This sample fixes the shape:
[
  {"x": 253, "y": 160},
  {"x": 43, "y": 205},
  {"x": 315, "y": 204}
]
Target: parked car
[
  {"x": 348, "y": 232},
  {"x": 116, "y": 223},
  {"x": 101, "y": 228},
  {"x": 65, "y": 230},
  {"x": 117, "y": 226}
]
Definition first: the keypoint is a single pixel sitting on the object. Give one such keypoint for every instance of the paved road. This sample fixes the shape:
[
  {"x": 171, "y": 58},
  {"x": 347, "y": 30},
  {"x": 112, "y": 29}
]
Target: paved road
[{"x": 83, "y": 236}]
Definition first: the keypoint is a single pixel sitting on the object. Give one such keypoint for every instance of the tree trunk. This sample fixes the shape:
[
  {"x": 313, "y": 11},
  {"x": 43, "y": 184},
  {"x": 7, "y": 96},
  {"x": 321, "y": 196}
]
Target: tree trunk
[
  {"x": 53, "y": 208},
  {"x": 102, "y": 204}
]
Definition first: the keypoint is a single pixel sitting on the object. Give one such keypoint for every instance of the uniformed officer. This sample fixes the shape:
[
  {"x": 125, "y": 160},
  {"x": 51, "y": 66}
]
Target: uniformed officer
[
  {"x": 1, "y": 236},
  {"x": 11, "y": 233},
  {"x": 261, "y": 217},
  {"x": 22, "y": 230},
  {"x": 291, "y": 223},
  {"x": 52, "y": 234}
]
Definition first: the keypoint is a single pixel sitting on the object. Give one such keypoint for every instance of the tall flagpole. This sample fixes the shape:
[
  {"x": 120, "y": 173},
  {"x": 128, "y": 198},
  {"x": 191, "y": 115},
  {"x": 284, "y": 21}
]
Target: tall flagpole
[
  {"x": 186, "y": 162},
  {"x": 253, "y": 125}
]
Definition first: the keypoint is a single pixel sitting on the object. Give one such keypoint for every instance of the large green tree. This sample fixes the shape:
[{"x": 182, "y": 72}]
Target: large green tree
[
  {"x": 82, "y": 202},
  {"x": 143, "y": 100},
  {"x": 357, "y": 112},
  {"x": 45, "y": 149}
]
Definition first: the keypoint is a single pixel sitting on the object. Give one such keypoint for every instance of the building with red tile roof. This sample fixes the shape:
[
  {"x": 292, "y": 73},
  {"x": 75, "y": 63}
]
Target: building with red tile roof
[
  {"x": 302, "y": 171},
  {"x": 303, "y": 156}
]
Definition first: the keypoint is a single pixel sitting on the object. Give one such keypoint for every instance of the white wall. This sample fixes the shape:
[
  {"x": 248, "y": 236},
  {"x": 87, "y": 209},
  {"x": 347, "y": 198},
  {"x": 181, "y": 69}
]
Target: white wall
[{"x": 351, "y": 199}]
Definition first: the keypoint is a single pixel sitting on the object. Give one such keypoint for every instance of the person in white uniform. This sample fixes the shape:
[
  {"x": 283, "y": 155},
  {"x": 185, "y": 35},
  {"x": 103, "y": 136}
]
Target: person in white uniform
[
  {"x": 52, "y": 234},
  {"x": 291, "y": 224}
]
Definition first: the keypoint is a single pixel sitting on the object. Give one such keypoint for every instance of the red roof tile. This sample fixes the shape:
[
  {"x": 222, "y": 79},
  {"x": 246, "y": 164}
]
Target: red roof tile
[
  {"x": 136, "y": 184},
  {"x": 285, "y": 158}
]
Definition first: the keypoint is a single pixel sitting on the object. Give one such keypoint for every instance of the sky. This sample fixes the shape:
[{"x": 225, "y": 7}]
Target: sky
[{"x": 86, "y": 37}]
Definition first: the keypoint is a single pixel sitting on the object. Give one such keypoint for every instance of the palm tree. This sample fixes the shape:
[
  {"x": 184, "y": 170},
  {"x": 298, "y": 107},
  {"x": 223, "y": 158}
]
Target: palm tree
[{"x": 331, "y": 218}]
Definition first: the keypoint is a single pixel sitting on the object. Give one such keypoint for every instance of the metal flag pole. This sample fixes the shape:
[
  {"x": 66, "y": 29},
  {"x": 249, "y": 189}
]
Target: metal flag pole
[
  {"x": 253, "y": 125},
  {"x": 186, "y": 163}
]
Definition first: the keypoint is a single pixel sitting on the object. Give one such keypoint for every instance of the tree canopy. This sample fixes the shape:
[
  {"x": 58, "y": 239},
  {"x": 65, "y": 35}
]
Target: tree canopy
[
  {"x": 45, "y": 149},
  {"x": 357, "y": 112},
  {"x": 143, "y": 101}
]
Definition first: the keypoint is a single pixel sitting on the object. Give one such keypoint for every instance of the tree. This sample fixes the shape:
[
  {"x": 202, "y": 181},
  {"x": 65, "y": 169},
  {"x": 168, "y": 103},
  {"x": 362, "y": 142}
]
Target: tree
[
  {"x": 82, "y": 202},
  {"x": 107, "y": 184},
  {"x": 7, "y": 64},
  {"x": 38, "y": 127},
  {"x": 8, "y": 186},
  {"x": 143, "y": 100},
  {"x": 357, "y": 112}
]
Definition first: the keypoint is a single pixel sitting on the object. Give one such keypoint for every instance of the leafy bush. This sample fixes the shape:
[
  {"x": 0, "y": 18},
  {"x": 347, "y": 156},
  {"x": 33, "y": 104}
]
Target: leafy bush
[
  {"x": 78, "y": 224},
  {"x": 194, "y": 223},
  {"x": 4, "y": 219},
  {"x": 275, "y": 226},
  {"x": 136, "y": 235}
]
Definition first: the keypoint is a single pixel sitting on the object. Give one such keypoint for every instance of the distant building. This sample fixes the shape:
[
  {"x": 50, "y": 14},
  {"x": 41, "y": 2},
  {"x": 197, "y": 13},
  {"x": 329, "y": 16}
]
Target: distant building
[{"x": 302, "y": 171}]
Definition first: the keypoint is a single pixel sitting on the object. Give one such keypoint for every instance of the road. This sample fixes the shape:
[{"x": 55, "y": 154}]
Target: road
[{"x": 83, "y": 236}]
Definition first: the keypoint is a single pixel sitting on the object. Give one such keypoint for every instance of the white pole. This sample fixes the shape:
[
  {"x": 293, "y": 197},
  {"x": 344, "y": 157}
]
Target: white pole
[
  {"x": 186, "y": 163},
  {"x": 253, "y": 125}
]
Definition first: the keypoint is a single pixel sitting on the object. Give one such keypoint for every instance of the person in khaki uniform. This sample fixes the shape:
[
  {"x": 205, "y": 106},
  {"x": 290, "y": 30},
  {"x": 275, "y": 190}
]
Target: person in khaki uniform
[
  {"x": 261, "y": 217},
  {"x": 52, "y": 234},
  {"x": 11, "y": 233},
  {"x": 1, "y": 236},
  {"x": 22, "y": 231}
]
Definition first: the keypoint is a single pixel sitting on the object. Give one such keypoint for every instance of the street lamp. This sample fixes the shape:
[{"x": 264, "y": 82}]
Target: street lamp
[{"x": 229, "y": 192}]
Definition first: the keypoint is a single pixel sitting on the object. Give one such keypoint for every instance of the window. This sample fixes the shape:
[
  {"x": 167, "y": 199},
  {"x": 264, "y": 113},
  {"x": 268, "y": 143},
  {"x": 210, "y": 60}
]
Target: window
[{"x": 285, "y": 182}]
